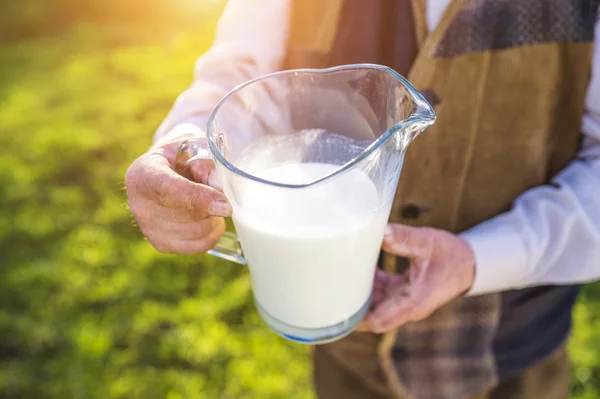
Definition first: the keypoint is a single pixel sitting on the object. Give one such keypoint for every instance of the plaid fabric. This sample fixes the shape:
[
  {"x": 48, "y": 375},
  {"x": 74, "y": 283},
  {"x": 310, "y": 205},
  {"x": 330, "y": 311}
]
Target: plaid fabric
[
  {"x": 450, "y": 355},
  {"x": 548, "y": 379}
]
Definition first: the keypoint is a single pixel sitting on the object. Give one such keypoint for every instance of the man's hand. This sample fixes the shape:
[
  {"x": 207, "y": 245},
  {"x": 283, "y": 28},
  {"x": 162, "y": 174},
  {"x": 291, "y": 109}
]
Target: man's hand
[
  {"x": 177, "y": 215},
  {"x": 442, "y": 267}
]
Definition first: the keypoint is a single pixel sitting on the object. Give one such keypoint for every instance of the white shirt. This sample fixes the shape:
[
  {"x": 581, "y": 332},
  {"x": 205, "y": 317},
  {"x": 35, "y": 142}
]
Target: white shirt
[{"x": 550, "y": 236}]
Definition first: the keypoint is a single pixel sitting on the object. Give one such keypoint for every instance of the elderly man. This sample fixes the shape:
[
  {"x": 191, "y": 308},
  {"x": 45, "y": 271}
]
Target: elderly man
[{"x": 498, "y": 208}]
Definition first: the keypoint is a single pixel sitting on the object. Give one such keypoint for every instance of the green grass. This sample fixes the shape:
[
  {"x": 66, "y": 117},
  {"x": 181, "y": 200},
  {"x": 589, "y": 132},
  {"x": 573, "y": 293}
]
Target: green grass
[{"x": 88, "y": 308}]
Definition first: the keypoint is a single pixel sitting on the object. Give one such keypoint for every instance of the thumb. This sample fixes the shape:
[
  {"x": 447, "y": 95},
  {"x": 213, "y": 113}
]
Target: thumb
[
  {"x": 194, "y": 161},
  {"x": 203, "y": 171},
  {"x": 406, "y": 241}
]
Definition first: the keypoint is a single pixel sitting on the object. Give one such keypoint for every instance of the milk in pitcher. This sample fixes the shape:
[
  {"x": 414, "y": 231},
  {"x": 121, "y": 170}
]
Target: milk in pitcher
[{"x": 312, "y": 251}]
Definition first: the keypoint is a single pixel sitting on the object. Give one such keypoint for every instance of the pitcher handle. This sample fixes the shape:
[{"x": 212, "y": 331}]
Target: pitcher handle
[{"x": 228, "y": 247}]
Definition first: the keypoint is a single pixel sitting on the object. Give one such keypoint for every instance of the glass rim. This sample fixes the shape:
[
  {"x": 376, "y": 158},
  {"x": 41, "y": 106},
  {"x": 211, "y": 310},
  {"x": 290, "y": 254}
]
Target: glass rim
[{"x": 425, "y": 113}]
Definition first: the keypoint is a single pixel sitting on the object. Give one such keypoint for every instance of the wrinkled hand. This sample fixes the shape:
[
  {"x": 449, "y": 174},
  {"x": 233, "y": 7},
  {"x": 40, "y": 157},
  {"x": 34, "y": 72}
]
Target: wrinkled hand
[
  {"x": 442, "y": 267},
  {"x": 177, "y": 215}
]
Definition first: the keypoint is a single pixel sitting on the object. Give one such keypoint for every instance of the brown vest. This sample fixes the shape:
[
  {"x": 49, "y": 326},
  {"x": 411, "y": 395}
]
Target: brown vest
[{"x": 508, "y": 80}]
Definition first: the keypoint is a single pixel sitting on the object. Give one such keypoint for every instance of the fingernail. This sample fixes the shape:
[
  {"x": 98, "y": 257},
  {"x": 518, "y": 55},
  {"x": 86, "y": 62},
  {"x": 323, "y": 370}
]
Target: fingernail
[
  {"x": 220, "y": 208},
  {"x": 389, "y": 232}
]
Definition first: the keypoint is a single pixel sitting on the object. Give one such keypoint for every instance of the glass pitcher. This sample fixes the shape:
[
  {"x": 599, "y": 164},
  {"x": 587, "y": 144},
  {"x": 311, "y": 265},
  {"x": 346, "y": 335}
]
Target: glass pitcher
[{"x": 310, "y": 160}]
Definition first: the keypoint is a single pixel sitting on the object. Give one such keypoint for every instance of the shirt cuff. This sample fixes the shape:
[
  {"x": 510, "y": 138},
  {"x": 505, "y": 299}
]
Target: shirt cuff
[{"x": 500, "y": 257}]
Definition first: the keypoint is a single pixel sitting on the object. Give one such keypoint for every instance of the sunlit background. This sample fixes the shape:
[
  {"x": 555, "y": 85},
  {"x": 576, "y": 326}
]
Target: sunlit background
[{"x": 87, "y": 308}]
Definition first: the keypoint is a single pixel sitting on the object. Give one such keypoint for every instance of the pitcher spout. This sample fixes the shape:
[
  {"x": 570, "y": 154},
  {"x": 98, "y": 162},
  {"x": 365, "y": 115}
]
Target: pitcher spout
[
  {"x": 423, "y": 115},
  {"x": 416, "y": 124}
]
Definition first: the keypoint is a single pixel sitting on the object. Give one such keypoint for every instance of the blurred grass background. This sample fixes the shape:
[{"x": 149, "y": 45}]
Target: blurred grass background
[{"x": 87, "y": 308}]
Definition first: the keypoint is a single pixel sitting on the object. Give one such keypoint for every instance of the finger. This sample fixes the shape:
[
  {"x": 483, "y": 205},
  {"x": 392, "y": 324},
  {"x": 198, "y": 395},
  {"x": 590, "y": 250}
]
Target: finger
[
  {"x": 190, "y": 150},
  {"x": 195, "y": 230},
  {"x": 410, "y": 242},
  {"x": 176, "y": 245},
  {"x": 378, "y": 292},
  {"x": 148, "y": 212},
  {"x": 381, "y": 275},
  {"x": 379, "y": 285},
  {"x": 203, "y": 171},
  {"x": 196, "y": 157},
  {"x": 396, "y": 279},
  {"x": 376, "y": 298},
  {"x": 201, "y": 165},
  {"x": 214, "y": 180},
  {"x": 383, "y": 281},
  {"x": 155, "y": 178},
  {"x": 200, "y": 169},
  {"x": 393, "y": 311}
]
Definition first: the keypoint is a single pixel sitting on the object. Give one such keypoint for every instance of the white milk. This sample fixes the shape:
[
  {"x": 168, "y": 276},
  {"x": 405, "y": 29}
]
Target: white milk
[{"x": 312, "y": 252}]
